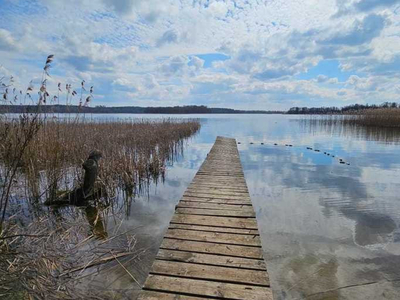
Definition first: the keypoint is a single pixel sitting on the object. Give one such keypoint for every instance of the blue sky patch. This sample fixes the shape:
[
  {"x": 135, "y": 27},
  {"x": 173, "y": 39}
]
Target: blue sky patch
[
  {"x": 209, "y": 58},
  {"x": 328, "y": 68}
]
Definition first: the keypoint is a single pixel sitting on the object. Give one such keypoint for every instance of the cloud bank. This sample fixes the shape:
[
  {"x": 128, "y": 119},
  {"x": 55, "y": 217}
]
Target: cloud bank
[{"x": 233, "y": 53}]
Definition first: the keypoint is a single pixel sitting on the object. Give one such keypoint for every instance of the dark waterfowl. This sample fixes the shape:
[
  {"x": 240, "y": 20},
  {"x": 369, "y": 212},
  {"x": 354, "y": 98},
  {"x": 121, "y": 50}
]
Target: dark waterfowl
[
  {"x": 276, "y": 144},
  {"x": 342, "y": 162},
  {"x": 251, "y": 143},
  {"x": 262, "y": 143},
  {"x": 316, "y": 150}
]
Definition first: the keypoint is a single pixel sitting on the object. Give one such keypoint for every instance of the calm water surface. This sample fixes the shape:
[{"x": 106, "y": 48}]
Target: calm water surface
[{"x": 329, "y": 230}]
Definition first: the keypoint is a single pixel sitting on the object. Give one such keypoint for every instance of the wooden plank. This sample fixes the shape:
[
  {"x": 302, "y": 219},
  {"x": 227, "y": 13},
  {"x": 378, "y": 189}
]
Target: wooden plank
[
  {"x": 216, "y": 212},
  {"x": 151, "y": 295},
  {"x": 214, "y": 229},
  {"x": 221, "y": 187},
  {"x": 217, "y": 192},
  {"x": 189, "y": 204},
  {"x": 249, "y": 223},
  {"x": 214, "y": 237},
  {"x": 210, "y": 259},
  {"x": 216, "y": 200},
  {"x": 207, "y": 288},
  {"x": 212, "y": 248},
  {"x": 217, "y": 196},
  {"x": 219, "y": 273}
]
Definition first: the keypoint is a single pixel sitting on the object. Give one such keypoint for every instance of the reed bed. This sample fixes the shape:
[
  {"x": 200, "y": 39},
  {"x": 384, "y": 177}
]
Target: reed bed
[
  {"x": 133, "y": 152},
  {"x": 352, "y": 126},
  {"x": 45, "y": 252},
  {"x": 378, "y": 117}
]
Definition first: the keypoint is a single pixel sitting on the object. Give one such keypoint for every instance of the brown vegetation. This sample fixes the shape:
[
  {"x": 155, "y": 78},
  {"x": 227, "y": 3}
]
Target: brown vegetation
[{"x": 378, "y": 117}]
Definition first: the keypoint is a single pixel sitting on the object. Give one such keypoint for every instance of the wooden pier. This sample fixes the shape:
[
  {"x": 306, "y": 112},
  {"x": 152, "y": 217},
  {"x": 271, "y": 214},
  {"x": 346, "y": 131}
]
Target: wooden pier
[{"x": 212, "y": 248}]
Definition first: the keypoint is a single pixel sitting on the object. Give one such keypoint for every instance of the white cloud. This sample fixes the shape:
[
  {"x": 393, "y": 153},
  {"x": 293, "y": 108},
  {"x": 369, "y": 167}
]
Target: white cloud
[
  {"x": 147, "y": 49},
  {"x": 218, "y": 9},
  {"x": 7, "y": 41}
]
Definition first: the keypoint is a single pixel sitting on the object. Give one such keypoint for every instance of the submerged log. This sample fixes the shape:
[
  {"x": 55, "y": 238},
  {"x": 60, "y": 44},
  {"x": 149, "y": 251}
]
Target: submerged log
[{"x": 81, "y": 195}]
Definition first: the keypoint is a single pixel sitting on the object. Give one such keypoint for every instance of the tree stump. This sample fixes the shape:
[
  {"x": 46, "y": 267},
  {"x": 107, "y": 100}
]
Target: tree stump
[{"x": 81, "y": 195}]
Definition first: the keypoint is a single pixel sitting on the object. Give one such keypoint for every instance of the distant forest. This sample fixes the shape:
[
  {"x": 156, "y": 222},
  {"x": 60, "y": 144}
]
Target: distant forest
[
  {"x": 337, "y": 110},
  {"x": 192, "y": 109}
]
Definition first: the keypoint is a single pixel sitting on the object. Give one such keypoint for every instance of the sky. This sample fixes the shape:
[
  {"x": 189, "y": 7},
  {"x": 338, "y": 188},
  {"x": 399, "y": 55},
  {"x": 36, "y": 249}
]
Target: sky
[{"x": 243, "y": 54}]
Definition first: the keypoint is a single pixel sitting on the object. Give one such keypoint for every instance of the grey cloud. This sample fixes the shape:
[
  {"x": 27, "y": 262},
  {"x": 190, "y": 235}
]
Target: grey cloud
[
  {"x": 374, "y": 66},
  {"x": 122, "y": 6},
  {"x": 345, "y": 7},
  {"x": 175, "y": 64},
  {"x": 322, "y": 78},
  {"x": 244, "y": 61},
  {"x": 149, "y": 11},
  {"x": 170, "y": 36},
  {"x": 367, "y": 5},
  {"x": 362, "y": 32},
  {"x": 272, "y": 74}
]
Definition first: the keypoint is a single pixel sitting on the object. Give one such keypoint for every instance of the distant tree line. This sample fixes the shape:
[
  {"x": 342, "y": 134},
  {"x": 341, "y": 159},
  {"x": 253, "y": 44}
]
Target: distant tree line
[
  {"x": 191, "y": 109},
  {"x": 337, "y": 110}
]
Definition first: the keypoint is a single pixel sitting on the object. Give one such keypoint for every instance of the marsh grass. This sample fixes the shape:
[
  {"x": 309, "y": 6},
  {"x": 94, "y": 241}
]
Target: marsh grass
[
  {"x": 49, "y": 258},
  {"x": 381, "y": 124},
  {"x": 133, "y": 153},
  {"x": 378, "y": 117}
]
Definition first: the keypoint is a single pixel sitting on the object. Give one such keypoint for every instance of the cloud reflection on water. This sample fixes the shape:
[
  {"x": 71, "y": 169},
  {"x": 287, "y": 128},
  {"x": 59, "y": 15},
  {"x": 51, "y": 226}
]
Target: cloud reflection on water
[{"x": 324, "y": 226}]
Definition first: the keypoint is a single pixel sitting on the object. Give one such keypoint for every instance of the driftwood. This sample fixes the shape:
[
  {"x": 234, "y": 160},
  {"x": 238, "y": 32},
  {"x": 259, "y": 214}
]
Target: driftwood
[{"x": 80, "y": 196}]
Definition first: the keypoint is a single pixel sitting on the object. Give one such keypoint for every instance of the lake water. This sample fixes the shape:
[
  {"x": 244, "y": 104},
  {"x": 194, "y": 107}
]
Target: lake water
[{"x": 328, "y": 230}]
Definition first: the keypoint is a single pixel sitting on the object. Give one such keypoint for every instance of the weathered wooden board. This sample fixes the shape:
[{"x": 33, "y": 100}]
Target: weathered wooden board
[
  {"x": 201, "y": 205},
  {"x": 248, "y": 223},
  {"x": 218, "y": 290},
  {"x": 212, "y": 248},
  {"x": 201, "y": 271},
  {"x": 215, "y": 212},
  {"x": 214, "y": 237},
  {"x": 214, "y": 229},
  {"x": 216, "y": 200},
  {"x": 210, "y": 259}
]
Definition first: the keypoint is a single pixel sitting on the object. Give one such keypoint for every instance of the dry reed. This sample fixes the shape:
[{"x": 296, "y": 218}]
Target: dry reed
[{"x": 378, "y": 117}]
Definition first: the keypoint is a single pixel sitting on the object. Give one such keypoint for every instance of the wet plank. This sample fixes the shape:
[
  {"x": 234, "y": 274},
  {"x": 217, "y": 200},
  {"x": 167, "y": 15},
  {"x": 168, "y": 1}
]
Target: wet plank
[{"x": 212, "y": 248}]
